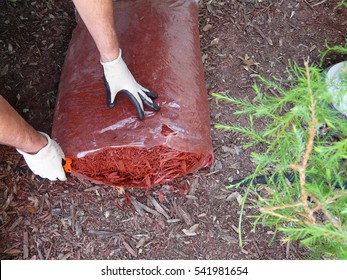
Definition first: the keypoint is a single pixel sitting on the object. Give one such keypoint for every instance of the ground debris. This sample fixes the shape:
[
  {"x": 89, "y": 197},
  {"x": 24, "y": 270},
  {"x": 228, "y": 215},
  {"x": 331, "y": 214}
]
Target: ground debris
[
  {"x": 191, "y": 231},
  {"x": 137, "y": 206},
  {"x": 25, "y": 245},
  {"x": 129, "y": 249},
  {"x": 157, "y": 207},
  {"x": 105, "y": 233},
  {"x": 184, "y": 215}
]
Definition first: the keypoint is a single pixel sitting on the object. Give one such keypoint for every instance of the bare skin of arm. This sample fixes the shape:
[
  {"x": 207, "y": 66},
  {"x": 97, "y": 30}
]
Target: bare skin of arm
[
  {"x": 16, "y": 132},
  {"x": 98, "y": 17}
]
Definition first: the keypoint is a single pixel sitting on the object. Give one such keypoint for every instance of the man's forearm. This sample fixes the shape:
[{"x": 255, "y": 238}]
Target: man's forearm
[
  {"x": 98, "y": 17},
  {"x": 16, "y": 132}
]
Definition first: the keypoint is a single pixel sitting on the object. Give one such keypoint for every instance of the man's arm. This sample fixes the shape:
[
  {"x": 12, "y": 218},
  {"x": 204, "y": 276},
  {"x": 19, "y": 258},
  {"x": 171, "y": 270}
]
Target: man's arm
[
  {"x": 42, "y": 154},
  {"x": 98, "y": 17},
  {"x": 16, "y": 132}
]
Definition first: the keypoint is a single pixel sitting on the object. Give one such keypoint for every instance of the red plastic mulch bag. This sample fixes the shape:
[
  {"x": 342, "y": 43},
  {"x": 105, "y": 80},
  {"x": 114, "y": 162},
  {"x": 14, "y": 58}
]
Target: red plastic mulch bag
[{"x": 160, "y": 45}]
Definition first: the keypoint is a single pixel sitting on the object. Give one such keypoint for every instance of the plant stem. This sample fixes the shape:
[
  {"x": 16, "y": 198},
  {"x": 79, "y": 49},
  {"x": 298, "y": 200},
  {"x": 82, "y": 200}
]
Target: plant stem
[{"x": 301, "y": 168}]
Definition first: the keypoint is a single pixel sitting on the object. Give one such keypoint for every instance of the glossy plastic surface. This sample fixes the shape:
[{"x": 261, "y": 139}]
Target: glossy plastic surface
[{"x": 160, "y": 45}]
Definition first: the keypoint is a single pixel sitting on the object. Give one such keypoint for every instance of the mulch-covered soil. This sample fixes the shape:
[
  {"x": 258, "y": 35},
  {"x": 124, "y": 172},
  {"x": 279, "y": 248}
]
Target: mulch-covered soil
[{"x": 194, "y": 217}]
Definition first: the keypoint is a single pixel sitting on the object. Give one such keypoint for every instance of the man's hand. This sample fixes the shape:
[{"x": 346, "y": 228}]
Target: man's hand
[
  {"x": 47, "y": 163},
  {"x": 118, "y": 79}
]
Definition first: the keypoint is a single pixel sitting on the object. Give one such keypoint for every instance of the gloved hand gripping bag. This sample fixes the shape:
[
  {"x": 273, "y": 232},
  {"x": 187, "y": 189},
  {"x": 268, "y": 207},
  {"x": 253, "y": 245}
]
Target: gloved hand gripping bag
[{"x": 160, "y": 45}]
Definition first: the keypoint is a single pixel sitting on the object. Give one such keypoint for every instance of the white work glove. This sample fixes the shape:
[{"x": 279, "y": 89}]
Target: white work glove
[
  {"x": 118, "y": 79},
  {"x": 47, "y": 163}
]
